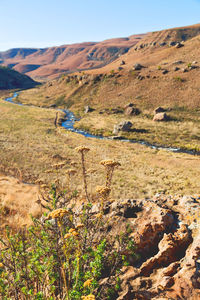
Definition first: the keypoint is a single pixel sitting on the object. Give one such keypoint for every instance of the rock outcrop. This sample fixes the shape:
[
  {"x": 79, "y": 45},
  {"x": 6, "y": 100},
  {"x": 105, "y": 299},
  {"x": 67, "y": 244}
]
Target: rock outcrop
[
  {"x": 122, "y": 126},
  {"x": 160, "y": 117}
]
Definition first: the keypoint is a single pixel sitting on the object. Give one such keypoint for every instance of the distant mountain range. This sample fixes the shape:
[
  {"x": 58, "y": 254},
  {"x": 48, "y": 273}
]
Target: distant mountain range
[{"x": 54, "y": 61}]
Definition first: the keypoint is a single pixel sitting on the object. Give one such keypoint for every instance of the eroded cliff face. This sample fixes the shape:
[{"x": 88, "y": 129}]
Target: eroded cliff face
[{"x": 167, "y": 239}]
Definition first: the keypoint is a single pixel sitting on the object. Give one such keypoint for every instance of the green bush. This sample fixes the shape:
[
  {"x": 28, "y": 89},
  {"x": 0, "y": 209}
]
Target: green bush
[{"x": 65, "y": 253}]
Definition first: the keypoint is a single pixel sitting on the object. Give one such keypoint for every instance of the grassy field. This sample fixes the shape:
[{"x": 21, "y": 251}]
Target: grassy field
[
  {"x": 182, "y": 131},
  {"x": 32, "y": 148}
]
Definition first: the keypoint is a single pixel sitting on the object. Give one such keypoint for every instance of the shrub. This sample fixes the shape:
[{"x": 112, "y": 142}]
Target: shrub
[
  {"x": 66, "y": 252},
  {"x": 179, "y": 79}
]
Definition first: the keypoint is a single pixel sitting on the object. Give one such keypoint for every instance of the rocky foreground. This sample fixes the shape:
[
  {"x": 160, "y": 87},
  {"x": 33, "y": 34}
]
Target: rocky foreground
[
  {"x": 167, "y": 237},
  {"x": 166, "y": 232}
]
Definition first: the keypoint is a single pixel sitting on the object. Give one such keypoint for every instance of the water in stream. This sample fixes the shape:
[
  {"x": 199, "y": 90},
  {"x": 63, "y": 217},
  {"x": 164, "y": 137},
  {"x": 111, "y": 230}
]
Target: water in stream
[{"x": 68, "y": 124}]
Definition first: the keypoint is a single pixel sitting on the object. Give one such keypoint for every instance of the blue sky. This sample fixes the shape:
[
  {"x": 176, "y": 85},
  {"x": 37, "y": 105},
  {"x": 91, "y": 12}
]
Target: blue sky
[{"x": 43, "y": 23}]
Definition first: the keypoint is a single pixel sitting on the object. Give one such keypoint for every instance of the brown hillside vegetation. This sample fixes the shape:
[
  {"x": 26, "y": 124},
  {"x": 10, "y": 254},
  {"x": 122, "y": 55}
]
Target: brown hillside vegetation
[
  {"x": 53, "y": 61},
  {"x": 169, "y": 78},
  {"x": 120, "y": 217}
]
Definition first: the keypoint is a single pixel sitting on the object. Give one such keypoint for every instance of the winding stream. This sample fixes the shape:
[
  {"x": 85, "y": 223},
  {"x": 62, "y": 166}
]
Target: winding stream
[{"x": 68, "y": 124}]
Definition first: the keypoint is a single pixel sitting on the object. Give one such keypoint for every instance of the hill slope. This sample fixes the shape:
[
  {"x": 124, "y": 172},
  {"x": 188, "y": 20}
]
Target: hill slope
[
  {"x": 53, "y": 61},
  {"x": 67, "y": 58},
  {"x": 11, "y": 79}
]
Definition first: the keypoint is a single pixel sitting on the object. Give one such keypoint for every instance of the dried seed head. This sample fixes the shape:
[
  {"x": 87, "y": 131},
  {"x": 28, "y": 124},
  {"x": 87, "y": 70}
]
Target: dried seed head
[
  {"x": 58, "y": 213},
  {"x": 71, "y": 171},
  {"x": 99, "y": 216},
  {"x": 91, "y": 171},
  {"x": 110, "y": 163},
  {"x": 87, "y": 283},
  {"x": 58, "y": 165},
  {"x": 79, "y": 226},
  {"x": 67, "y": 235},
  {"x": 75, "y": 233},
  {"x": 82, "y": 149},
  {"x": 103, "y": 190}
]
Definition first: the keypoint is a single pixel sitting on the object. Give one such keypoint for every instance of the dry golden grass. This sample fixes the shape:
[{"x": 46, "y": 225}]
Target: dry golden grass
[
  {"x": 32, "y": 146},
  {"x": 17, "y": 202},
  {"x": 183, "y": 134}
]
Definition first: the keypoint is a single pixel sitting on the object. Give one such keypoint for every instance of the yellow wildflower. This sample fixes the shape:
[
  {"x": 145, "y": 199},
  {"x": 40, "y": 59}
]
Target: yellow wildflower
[
  {"x": 75, "y": 233},
  {"x": 88, "y": 297},
  {"x": 87, "y": 283},
  {"x": 71, "y": 230},
  {"x": 1, "y": 265},
  {"x": 81, "y": 149},
  {"x": 67, "y": 235},
  {"x": 99, "y": 216},
  {"x": 58, "y": 213},
  {"x": 79, "y": 226}
]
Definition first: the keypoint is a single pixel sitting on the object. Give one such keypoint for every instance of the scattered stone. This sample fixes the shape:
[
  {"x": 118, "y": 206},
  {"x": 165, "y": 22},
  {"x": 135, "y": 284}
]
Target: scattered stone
[
  {"x": 178, "y": 62},
  {"x": 171, "y": 44},
  {"x": 184, "y": 70},
  {"x": 88, "y": 109},
  {"x": 160, "y": 117},
  {"x": 192, "y": 67},
  {"x": 129, "y": 105},
  {"x": 140, "y": 77},
  {"x": 159, "y": 110},
  {"x": 176, "y": 69},
  {"x": 116, "y": 137},
  {"x": 132, "y": 111},
  {"x": 122, "y": 63},
  {"x": 122, "y": 126},
  {"x": 179, "y": 45},
  {"x": 138, "y": 67},
  {"x": 52, "y": 106},
  {"x": 165, "y": 72},
  {"x": 120, "y": 68},
  {"x": 162, "y": 44}
]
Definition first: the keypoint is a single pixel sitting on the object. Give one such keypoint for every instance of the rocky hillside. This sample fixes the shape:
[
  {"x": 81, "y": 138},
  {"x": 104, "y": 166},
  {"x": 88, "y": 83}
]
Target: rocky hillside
[
  {"x": 53, "y": 61},
  {"x": 67, "y": 58},
  {"x": 165, "y": 263},
  {"x": 11, "y": 79}
]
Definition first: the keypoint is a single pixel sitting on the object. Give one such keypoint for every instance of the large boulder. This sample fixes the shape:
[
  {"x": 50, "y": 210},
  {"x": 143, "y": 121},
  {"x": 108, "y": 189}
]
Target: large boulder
[
  {"x": 179, "y": 45},
  {"x": 159, "y": 110},
  {"x": 122, "y": 126},
  {"x": 161, "y": 117},
  {"x": 137, "y": 67},
  {"x": 134, "y": 111}
]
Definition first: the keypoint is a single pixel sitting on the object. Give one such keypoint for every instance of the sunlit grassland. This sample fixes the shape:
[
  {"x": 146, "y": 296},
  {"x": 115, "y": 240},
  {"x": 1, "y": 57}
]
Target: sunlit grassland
[
  {"x": 183, "y": 134},
  {"x": 31, "y": 143}
]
